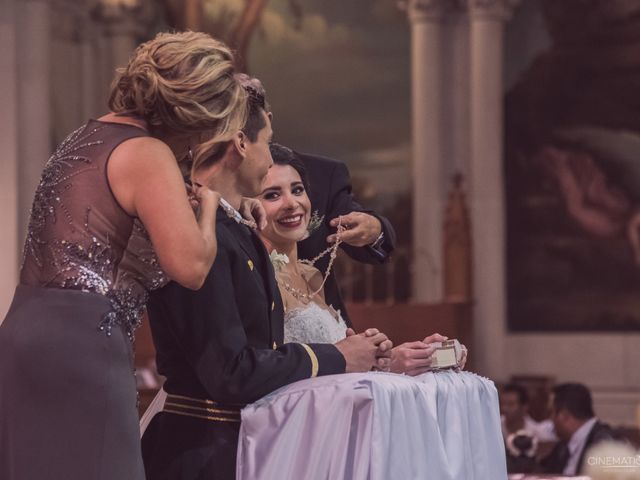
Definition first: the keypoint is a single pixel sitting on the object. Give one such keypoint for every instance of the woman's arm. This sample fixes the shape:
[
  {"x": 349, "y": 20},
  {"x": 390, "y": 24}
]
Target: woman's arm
[{"x": 145, "y": 179}]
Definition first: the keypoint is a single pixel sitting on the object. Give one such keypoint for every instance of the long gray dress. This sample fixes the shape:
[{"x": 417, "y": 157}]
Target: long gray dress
[{"x": 67, "y": 386}]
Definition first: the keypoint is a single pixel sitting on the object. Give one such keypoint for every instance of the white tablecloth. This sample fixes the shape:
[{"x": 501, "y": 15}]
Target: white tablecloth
[{"x": 378, "y": 426}]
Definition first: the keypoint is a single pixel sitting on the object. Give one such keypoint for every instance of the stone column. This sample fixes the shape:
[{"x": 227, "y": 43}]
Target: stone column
[
  {"x": 9, "y": 194},
  {"x": 456, "y": 113},
  {"x": 91, "y": 107},
  {"x": 69, "y": 27},
  {"x": 486, "y": 182},
  {"x": 123, "y": 24},
  {"x": 33, "y": 99},
  {"x": 427, "y": 32}
]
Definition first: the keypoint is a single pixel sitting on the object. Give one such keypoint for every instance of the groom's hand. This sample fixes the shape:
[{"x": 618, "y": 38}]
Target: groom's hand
[
  {"x": 361, "y": 351},
  {"x": 383, "y": 356}
]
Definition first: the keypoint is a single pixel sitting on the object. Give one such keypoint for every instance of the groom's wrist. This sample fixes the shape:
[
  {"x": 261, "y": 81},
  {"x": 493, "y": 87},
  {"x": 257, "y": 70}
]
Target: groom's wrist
[{"x": 330, "y": 360}]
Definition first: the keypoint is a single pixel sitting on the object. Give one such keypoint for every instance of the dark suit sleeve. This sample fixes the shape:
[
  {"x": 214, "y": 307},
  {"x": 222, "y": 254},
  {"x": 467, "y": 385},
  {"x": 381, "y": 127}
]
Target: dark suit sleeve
[
  {"x": 207, "y": 325},
  {"x": 341, "y": 202}
]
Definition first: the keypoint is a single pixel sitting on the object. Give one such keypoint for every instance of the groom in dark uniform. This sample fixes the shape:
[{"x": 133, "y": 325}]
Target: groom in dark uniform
[{"x": 222, "y": 346}]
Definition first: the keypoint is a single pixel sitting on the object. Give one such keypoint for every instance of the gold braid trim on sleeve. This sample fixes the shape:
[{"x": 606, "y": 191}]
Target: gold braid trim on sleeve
[{"x": 314, "y": 360}]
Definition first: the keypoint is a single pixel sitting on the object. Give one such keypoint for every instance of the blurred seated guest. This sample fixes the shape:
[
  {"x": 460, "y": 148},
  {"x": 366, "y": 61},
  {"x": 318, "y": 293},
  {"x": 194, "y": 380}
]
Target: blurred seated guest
[
  {"x": 521, "y": 449},
  {"x": 576, "y": 426},
  {"x": 514, "y": 407}
]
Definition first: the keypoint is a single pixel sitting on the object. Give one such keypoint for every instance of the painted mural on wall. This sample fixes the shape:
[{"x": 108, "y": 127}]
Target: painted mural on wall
[
  {"x": 337, "y": 76},
  {"x": 572, "y": 163}
]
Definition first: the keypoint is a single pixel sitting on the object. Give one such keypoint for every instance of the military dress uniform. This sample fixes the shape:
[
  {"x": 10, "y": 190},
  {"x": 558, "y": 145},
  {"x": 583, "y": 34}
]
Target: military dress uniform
[{"x": 220, "y": 348}]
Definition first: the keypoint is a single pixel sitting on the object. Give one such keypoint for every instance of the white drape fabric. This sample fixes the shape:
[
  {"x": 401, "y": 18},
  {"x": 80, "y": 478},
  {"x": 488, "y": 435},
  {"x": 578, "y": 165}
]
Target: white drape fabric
[{"x": 375, "y": 426}]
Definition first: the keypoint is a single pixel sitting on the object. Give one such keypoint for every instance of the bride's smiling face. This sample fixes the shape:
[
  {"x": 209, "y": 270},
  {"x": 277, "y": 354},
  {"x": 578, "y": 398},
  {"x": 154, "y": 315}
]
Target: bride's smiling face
[{"x": 287, "y": 205}]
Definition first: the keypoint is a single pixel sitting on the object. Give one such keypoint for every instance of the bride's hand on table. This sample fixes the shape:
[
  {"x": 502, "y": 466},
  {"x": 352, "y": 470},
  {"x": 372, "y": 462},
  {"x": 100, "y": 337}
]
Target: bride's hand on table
[
  {"x": 436, "y": 337},
  {"x": 412, "y": 358}
]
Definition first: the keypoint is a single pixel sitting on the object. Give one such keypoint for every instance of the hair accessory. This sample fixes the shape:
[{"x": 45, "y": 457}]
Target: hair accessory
[{"x": 255, "y": 97}]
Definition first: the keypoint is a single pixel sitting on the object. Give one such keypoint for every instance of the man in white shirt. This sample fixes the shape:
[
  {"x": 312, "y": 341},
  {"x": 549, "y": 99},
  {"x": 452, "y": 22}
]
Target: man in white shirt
[
  {"x": 576, "y": 426},
  {"x": 514, "y": 409}
]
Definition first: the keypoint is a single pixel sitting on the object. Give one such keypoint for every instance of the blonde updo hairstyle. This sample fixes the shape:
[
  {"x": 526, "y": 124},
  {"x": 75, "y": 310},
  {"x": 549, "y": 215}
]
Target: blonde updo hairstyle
[{"x": 183, "y": 83}]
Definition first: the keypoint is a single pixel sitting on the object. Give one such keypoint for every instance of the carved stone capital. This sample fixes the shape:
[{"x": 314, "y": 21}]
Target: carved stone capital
[
  {"x": 499, "y": 10},
  {"x": 70, "y": 21},
  {"x": 430, "y": 10}
]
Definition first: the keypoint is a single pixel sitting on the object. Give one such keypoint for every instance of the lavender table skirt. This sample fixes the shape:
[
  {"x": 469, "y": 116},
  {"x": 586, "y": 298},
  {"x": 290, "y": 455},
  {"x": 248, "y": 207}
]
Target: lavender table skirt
[{"x": 375, "y": 426}]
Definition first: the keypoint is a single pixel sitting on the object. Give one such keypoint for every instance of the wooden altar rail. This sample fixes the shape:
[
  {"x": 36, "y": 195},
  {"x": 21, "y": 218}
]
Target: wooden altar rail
[{"x": 411, "y": 322}]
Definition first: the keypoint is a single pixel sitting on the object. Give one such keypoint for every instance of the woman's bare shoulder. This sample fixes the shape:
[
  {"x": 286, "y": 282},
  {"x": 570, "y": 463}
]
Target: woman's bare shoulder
[{"x": 144, "y": 147}]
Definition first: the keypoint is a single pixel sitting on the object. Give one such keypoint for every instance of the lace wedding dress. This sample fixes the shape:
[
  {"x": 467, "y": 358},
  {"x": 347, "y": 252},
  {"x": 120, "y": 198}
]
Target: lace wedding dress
[{"x": 313, "y": 324}]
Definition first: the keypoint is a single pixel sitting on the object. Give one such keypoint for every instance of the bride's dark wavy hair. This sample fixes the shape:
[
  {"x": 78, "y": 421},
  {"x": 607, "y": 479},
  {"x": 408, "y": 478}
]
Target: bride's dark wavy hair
[{"x": 285, "y": 156}]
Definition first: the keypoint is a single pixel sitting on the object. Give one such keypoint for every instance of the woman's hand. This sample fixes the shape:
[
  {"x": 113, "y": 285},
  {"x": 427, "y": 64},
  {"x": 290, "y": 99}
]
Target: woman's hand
[
  {"x": 252, "y": 209},
  {"x": 201, "y": 196}
]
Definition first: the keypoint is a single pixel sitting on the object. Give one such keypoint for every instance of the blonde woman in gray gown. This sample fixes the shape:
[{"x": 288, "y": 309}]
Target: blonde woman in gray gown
[{"x": 110, "y": 195}]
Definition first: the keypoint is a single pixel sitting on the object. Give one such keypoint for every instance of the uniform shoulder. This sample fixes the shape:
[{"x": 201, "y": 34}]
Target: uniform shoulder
[{"x": 225, "y": 236}]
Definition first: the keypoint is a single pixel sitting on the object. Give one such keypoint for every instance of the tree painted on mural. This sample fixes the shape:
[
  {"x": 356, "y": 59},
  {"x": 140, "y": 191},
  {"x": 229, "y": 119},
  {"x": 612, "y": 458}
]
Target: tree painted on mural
[{"x": 233, "y": 21}]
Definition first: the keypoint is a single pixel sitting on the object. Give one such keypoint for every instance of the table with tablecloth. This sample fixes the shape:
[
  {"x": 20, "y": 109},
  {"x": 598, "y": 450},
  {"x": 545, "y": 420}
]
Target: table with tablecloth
[{"x": 378, "y": 426}]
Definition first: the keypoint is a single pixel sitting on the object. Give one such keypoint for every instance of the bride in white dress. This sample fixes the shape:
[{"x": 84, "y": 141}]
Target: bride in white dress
[
  {"x": 442, "y": 425},
  {"x": 308, "y": 318}
]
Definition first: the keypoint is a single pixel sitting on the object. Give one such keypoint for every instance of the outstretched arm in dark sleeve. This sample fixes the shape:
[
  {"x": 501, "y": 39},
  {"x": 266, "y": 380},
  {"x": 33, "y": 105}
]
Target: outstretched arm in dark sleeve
[
  {"x": 341, "y": 202},
  {"x": 207, "y": 325}
]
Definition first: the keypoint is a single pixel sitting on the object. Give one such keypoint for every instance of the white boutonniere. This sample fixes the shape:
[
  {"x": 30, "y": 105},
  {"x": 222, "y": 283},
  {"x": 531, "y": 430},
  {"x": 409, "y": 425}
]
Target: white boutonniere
[{"x": 278, "y": 260}]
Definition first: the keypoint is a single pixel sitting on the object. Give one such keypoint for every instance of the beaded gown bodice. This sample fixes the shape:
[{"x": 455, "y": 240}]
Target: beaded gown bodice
[{"x": 80, "y": 238}]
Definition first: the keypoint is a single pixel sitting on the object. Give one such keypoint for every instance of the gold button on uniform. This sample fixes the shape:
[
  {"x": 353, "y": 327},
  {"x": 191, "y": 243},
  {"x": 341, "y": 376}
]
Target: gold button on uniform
[
  {"x": 274, "y": 345},
  {"x": 273, "y": 306},
  {"x": 250, "y": 263}
]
